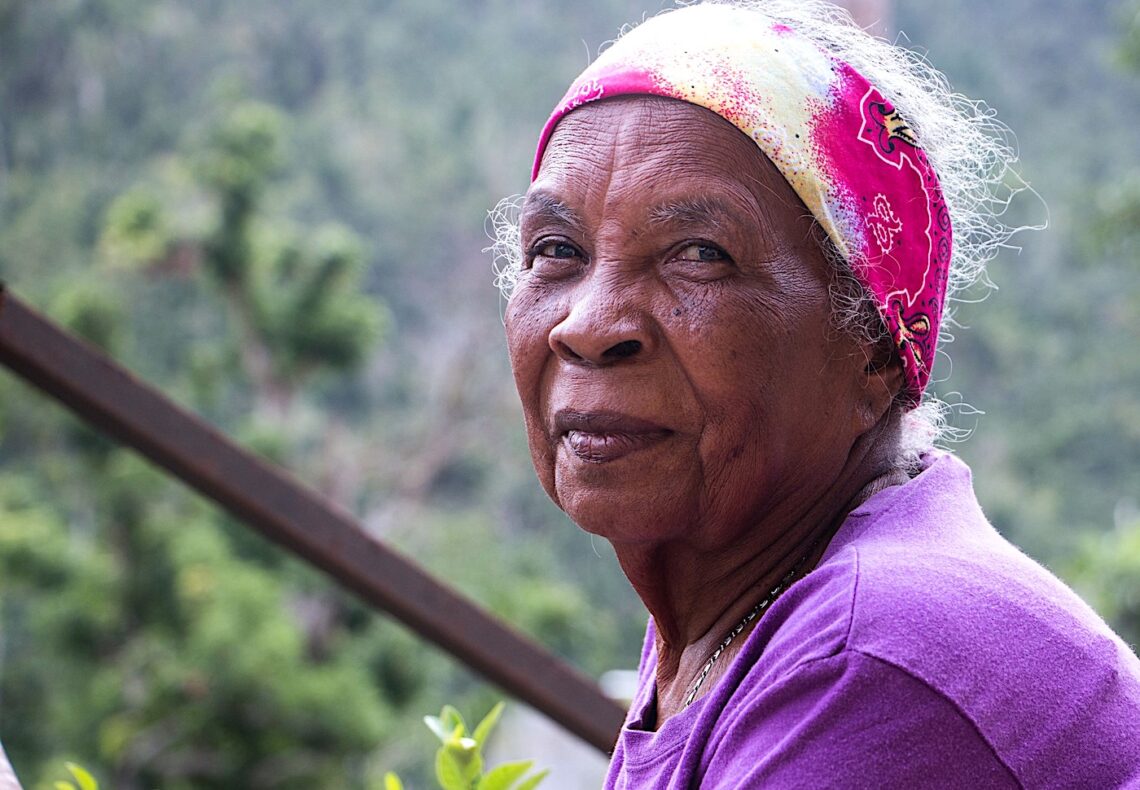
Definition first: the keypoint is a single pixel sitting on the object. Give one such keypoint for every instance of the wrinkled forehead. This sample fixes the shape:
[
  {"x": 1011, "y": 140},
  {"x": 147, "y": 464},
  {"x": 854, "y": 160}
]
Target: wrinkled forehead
[{"x": 649, "y": 150}]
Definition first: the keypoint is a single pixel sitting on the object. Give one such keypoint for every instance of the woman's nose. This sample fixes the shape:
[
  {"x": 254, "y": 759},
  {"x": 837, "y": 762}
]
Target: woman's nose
[{"x": 604, "y": 329}]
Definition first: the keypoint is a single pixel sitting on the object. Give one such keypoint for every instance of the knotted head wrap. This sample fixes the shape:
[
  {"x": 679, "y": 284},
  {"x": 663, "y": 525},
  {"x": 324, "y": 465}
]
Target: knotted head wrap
[{"x": 839, "y": 143}]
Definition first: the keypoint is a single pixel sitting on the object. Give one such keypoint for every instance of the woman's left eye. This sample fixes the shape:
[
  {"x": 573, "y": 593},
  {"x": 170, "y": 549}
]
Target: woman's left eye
[{"x": 703, "y": 253}]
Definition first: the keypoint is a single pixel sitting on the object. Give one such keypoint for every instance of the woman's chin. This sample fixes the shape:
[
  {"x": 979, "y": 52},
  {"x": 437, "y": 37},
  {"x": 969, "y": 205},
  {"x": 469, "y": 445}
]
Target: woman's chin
[{"x": 623, "y": 505}]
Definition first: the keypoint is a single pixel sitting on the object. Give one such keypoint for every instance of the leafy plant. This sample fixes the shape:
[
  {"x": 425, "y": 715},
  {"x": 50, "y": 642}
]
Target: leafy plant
[
  {"x": 82, "y": 776},
  {"x": 459, "y": 759}
]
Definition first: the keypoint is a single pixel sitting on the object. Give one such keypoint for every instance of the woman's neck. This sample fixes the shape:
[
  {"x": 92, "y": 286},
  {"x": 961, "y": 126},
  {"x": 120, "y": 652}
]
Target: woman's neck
[{"x": 696, "y": 597}]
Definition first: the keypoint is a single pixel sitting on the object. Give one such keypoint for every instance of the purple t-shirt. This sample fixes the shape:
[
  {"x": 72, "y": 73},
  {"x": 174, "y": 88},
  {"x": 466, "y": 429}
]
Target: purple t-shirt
[{"x": 923, "y": 651}]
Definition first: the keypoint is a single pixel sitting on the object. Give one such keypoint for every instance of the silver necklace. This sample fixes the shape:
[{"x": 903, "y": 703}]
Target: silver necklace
[{"x": 735, "y": 632}]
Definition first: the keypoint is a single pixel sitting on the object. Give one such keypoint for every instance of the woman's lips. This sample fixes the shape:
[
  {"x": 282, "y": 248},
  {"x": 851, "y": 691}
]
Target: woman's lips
[{"x": 598, "y": 437}]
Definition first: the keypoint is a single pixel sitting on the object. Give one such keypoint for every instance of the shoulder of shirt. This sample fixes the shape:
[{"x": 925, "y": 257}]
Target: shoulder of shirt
[{"x": 927, "y": 586}]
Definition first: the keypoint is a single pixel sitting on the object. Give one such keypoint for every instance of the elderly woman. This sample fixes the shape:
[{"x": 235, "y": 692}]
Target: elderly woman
[{"x": 734, "y": 260}]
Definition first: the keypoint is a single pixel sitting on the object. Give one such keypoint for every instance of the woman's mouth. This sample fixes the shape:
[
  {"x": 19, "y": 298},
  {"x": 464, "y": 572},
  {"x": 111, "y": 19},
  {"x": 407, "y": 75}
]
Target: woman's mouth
[{"x": 598, "y": 437}]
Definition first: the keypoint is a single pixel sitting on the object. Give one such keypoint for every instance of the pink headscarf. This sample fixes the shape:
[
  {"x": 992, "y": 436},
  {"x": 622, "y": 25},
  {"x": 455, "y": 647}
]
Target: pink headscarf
[{"x": 837, "y": 140}]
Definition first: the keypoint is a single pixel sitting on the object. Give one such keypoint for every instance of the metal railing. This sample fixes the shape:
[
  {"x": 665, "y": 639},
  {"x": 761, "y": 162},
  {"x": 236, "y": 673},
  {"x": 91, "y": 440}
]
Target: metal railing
[{"x": 115, "y": 402}]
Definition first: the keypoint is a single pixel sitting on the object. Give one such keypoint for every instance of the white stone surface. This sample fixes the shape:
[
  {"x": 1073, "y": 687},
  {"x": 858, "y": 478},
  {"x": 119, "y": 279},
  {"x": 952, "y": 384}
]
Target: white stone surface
[{"x": 524, "y": 734}]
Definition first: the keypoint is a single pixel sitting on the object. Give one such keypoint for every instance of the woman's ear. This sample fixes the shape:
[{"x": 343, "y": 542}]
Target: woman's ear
[{"x": 882, "y": 380}]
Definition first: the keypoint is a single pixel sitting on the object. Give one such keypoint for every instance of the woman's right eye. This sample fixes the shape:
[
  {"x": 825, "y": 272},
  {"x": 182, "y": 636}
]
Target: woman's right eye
[
  {"x": 556, "y": 249},
  {"x": 552, "y": 255}
]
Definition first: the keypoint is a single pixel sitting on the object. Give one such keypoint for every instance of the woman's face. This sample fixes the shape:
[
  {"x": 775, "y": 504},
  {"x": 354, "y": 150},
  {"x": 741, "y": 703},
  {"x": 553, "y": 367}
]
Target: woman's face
[{"x": 670, "y": 333}]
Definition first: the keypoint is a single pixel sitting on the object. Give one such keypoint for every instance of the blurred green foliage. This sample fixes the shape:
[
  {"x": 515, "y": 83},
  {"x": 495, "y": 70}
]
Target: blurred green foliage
[
  {"x": 276, "y": 216},
  {"x": 1130, "y": 49},
  {"x": 275, "y": 213}
]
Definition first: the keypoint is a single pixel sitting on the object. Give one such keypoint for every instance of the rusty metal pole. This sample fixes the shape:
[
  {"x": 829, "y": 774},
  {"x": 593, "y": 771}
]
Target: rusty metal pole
[{"x": 108, "y": 397}]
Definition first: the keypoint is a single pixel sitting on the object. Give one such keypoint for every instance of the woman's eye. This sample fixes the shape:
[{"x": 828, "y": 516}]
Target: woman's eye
[
  {"x": 703, "y": 253},
  {"x": 556, "y": 249},
  {"x": 553, "y": 258}
]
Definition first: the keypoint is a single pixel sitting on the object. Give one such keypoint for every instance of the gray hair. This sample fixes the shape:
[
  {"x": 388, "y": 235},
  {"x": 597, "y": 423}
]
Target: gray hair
[{"x": 971, "y": 151}]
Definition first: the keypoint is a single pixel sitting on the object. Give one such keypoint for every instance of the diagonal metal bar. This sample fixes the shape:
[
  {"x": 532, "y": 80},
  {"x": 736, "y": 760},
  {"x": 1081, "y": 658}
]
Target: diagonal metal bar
[{"x": 112, "y": 400}]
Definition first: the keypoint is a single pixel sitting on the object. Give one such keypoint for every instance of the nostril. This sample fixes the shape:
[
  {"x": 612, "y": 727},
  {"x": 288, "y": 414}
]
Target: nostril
[
  {"x": 623, "y": 350},
  {"x": 566, "y": 352}
]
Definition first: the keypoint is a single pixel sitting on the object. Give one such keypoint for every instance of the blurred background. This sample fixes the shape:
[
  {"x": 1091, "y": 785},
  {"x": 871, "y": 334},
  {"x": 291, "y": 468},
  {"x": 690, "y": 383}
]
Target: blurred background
[{"x": 275, "y": 212}]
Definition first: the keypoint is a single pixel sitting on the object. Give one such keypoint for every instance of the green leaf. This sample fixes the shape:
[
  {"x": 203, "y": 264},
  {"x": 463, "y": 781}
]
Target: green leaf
[
  {"x": 448, "y": 772},
  {"x": 483, "y": 729},
  {"x": 532, "y": 783},
  {"x": 453, "y": 720},
  {"x": 392, "y": 782},
  {"x": 468, "y": 757},
  {"x": 64, "y": 786},
  {"x": 83, "y": 776},
  {"x": 448, "y": 725},
  {"x": 501, "y": 777}
]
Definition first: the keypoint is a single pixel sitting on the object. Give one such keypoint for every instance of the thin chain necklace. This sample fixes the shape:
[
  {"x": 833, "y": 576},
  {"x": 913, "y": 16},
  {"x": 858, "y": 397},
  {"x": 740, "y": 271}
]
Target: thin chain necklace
[
  {"x": 735, "y": 632},
  {"x": 871, "y": 488}
]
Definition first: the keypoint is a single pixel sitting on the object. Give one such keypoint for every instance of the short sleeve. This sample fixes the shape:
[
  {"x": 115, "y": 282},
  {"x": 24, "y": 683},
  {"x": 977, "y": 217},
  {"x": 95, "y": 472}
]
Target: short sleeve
[{"x": 852, "y": 721}]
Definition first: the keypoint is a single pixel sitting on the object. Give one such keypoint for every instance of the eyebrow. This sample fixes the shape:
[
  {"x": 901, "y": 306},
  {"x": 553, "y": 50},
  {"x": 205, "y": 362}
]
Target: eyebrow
[
  {"x": 540, "y": 205},
  {"x": 701, "y": 210}
]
